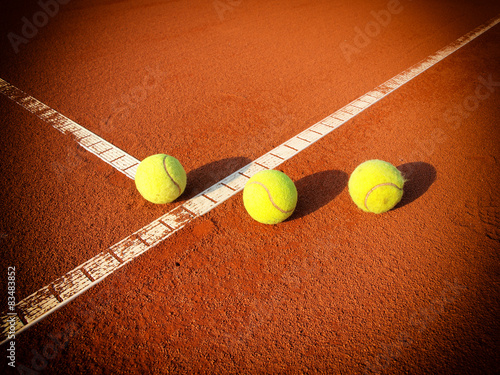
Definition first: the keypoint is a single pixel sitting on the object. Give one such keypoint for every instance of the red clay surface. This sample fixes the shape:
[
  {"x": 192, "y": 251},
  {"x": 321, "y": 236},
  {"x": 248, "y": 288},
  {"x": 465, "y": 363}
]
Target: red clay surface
[{"x": 217, "y": 84}]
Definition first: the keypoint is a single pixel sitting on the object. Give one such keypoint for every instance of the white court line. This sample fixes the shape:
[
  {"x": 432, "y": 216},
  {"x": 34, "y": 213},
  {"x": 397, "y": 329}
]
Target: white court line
[
  {"x": 52, "y": 297},
  {"x": 104, "y": 150}
]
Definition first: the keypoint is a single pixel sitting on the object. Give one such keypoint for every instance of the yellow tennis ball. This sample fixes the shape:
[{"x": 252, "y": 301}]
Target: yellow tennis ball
[
  {"x": 160, "y": 178},
  {"x": 270, "y": 197},
  {"x": 376, "y": 186}
]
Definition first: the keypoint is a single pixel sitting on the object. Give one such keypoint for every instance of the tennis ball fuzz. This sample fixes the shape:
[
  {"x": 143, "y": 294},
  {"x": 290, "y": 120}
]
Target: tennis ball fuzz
[
  {"x": 270, "y": 197},
  {"x": 376, "y": 186},
  {"x": 160, "y": 178}
]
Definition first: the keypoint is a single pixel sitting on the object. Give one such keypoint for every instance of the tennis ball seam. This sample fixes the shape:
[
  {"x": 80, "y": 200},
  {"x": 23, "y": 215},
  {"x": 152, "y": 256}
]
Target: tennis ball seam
[
  {"x": 377, "y": 186},
  {"x": 270, "y": 197},
  {"x": 169, "y": 176}
]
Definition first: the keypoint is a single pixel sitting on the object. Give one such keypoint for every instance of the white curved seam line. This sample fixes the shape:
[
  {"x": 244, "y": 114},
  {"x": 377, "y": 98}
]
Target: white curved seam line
[
  {"x": 270, "y": 197},
  {"x": 376, "y": 187}
]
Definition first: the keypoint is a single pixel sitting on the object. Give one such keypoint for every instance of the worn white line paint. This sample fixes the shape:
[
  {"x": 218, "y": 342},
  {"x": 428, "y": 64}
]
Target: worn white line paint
[
  {"x": 43, "y": 302},
  {"x": 104, "y": 150}
]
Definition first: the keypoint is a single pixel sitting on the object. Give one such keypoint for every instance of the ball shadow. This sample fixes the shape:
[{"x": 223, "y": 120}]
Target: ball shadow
[
  {"x": 317, "y": 190},
  {"x": 202, "y": 178},
  {"x": 419, "y": 178}
]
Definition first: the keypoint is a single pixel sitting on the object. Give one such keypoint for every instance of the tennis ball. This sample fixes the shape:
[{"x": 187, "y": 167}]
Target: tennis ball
[
  {"x": 160, "y": 178},
  {"x": 376, "y": 186},
  {"x": 270, "y": 197}
]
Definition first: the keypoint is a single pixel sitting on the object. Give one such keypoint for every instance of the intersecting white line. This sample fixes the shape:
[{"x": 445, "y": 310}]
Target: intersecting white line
[
  {"x": 58, "y": 293},
  {"x": 104, "y": 150}
]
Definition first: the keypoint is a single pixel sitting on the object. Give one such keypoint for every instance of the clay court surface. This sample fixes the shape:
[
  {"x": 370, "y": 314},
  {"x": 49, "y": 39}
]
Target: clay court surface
[{"x": 217, "y": 84}]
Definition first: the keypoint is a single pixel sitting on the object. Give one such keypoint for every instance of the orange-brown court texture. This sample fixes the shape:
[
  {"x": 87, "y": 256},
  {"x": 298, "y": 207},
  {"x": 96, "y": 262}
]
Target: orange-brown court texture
[{"x": 218, "y": 83}]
